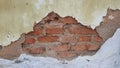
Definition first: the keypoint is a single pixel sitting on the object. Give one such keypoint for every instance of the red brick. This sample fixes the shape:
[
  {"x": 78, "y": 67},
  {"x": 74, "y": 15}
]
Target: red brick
[
  {"x": 79, "y": 47},
  {"x": 51, "y": 16},
  {"x": 93, "y": 47},
  {"x": 31, "y": 33},
  {"x": 97, "y": 39},
  {"x": 68, "y": 38},
  {"x": 66, "y": 54},
  {"x": 29, "y": 41},
  {"x": 85, "y": 38},
  {"x": 45, "y": 39},
  {"x": 38, "y": 50},
  {"x": 81, "y": 30},
  {"x": 54, "y": 30},
  {"x": 69, "y": 20},
  {"x": 35, "y": 32},
  {"x": 54, "y": 24},
  {"x": 63, "y": 47},
  {"x": 38, "y": 31},
  {"x": 25, "y": 49}
]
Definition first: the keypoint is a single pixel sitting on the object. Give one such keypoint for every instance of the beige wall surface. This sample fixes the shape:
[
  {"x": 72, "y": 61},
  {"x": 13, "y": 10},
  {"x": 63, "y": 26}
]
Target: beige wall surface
[{"x": 18, "y": 16}]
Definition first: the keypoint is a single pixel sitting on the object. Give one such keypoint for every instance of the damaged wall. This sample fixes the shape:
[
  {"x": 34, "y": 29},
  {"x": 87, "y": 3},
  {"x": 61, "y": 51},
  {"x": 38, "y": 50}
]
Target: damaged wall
[
  {"x": 55, "y": 36},
  {"x": 109, "y": 24},
  {"x": 63, "y": 37},
  {"x": 17, "y": 17}
]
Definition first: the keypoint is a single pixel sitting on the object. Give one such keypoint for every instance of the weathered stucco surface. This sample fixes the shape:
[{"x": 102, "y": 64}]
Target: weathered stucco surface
[
  {"x": 110, "y": 23},
  {"x": 18, "y": 16},
  {"x": 63, "y": 37}
]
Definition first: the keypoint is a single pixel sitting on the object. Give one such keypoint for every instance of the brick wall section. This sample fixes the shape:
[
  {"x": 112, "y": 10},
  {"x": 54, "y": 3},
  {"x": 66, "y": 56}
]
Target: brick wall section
[
  {"x": 61, "y": 38},
  {"x": 71, "y": 38}
]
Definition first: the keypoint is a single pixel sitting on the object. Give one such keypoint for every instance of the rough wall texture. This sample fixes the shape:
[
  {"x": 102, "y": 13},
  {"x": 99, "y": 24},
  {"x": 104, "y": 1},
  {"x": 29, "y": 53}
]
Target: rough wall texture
[
  {"x": 109, "y": 24},
  {"x": 25, "y": 12},
  {"x": 62, "y": 37}
]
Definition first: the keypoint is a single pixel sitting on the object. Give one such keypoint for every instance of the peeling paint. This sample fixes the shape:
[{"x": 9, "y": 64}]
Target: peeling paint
[{"x": 12, "y": 11}]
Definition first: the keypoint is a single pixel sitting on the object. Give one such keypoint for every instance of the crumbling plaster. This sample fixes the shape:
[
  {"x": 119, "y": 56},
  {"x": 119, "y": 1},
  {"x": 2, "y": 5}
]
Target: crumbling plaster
[{"x": 18, "y": 16}]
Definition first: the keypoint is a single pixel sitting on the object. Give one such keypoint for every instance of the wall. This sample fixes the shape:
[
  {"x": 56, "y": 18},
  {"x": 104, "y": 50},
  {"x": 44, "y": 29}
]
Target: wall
[
  {"x": 62, "y": 38},
  {"x": 17, "y": 17}
]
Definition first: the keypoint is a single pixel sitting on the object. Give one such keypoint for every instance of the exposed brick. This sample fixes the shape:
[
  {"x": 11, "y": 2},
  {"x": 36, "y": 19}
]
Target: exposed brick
[
  {"x": 51, "y": 16},
  {"x": 35, "y": 32},
  {"x": 59, "y": 37},
  {"x": 38, "y": 31},
  {"x": 31, "y": 33},
  {"x": 69, "y": 20},
  {"x": 63, "y": 47},
  {"x": 66, "y": 54},
  {"x": 93, "y": 47},
  {"x": 45, "y": 39},
  {"x": 85, "y": 38},
  {"x": 54, "y": 30},
  {"x": 38, "y": 50},
  {"x": 79, "y": 47},
  {"x": 97, "y": 39},
  {"x": 81, "y": 30},
  {"x": 54, "y": 24},
  {"x": 25, "y": 49},
  {"x": 29, "y": 41},
  {"x": 68, "y": 39}
]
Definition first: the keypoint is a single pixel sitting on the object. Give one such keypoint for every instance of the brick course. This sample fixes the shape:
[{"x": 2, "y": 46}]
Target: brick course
[
  {"x": 29, "y": 41},
  {"x": 63, "y": 47},
  {"x": 38, "y": 50},
  {"x": 84, "y": 38},
  {"x": 54, "y": 30},
  {"x": 45, "y": 39},
  {"x": 73, "y": 37}
]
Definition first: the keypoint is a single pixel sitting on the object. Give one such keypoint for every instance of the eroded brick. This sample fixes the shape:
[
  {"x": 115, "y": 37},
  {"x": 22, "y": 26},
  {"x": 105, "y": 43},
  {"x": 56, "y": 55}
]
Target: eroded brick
[
  {"x": 54, "y": 30},
  {"x": 93, "y": 47},
  {"x": 83, "y": 30},
  {"x": 63, "y": 47},
  {"x": 79, "y": 47},
  {"x": 97, "y": 39},
  {"x": 38, "y": 32},
  {"x": 69, "y": 20},
  {"x": 84, "y": 38},
  {"x": 46, "y": 39},
  {"x": 29, "y": 41},
  {"x": 66, "y": 54},
  {"x": 68, "y": 39},
  {"x": 38, "y": 50}
]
